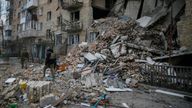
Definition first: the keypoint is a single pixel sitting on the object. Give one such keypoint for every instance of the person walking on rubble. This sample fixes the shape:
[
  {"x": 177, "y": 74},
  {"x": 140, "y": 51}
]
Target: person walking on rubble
[
  {"x": 50, "y": 62},
  {"x": 24, "y": 58}
]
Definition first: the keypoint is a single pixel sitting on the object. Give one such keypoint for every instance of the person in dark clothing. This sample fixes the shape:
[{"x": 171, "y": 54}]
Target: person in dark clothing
[
  {"x": 24, "y": 58},
  {"x": 50, "y": 62}
]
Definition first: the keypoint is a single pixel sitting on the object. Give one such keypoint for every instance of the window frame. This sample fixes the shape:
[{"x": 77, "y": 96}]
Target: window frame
[
  {"x": 73, "y": 15},
  {"x": 49, "y": 15},
  {"x": 73, "y": 39}
]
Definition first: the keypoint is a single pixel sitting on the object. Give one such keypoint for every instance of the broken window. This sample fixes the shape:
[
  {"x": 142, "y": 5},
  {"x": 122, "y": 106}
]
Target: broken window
[
  {"x": 48, "y": 15},
  {"x": 59, "y": 39},
  {"x": 92, "y": 36},
  {"x": 75, "y": 16},
  {"x": 73, "y": 39},
  {"x": 59, "y": 19}
]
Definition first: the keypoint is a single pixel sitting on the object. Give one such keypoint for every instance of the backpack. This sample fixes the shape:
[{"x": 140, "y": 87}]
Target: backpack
[{"x": 53, "y": 55}]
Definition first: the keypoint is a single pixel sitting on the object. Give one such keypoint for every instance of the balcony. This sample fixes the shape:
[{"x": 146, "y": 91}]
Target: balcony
[
  {"x": 73, "y": 27},
  {"x": 31, "y": 4},
  {"x": 30, "y": 33},
  {"x": 31, "y": 30},
  {"x": 72, "y": 4},
  {"x": 8, "y": 27}
]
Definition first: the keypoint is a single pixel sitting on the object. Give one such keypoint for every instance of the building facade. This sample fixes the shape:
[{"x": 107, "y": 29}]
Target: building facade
[{"x": 61, "y": 24}]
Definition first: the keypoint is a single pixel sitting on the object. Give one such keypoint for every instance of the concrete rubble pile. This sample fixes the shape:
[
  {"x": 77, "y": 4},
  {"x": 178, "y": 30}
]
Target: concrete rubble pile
[
  {"x": 91, "y": 70},
  {"x": 109, "y": 64},
  {"x": 119, "y": 43}
]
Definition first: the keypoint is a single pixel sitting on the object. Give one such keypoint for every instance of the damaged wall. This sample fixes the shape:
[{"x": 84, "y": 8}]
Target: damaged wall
[
  {"x": 148, "y": 7},
  {"x": 188, "y": 9},
  {"x": 132, "y": 8},
  {"x": 99, "y": 3},
  {"x": 185, "y": 27},
  {"x": 138, "y": 8}
]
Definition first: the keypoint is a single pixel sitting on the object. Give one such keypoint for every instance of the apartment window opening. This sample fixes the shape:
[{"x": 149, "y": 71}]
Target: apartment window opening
[
  {"x": 59, "y": 39},
  {"x": 8, "y": 33},
  {"x": 100, "y": 13},
  {"x": 73, "y": 39},
  {"x": 48, "y": 15},
  {"x": 75, "y": 16},
  {"x": 48, "y": 33},
  {"x": 59, "y": 20},
  {"x": 92, "y": 37}
]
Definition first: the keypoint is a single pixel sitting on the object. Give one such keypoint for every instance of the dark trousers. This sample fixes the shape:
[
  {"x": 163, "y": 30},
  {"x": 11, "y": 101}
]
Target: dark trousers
[
  {"x": 52, "y": 67},
  {"x": 24, "y": 63}
]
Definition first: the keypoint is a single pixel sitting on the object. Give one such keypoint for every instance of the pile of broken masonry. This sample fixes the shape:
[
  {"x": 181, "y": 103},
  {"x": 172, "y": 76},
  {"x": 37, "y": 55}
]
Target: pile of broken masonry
[
  {"x": 119, "y": 43},
  {"x": 108, "y": 64}
]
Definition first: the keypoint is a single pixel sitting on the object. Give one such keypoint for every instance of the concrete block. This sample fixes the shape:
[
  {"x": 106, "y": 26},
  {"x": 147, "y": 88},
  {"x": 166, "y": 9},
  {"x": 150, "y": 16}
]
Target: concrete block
[
  {"x": 38, "y": 89},
  {"x": 132, "y": 9},
  {"x": 47, "y": 100}
]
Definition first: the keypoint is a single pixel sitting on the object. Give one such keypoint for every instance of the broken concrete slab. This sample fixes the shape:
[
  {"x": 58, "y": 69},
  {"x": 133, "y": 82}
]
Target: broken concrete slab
[
  {"x": 118, "y": 9},
  {"x": 100, "y": 56},
  {"x": 90, "y": 57},
  {"x": 115, "y": 40},
  {"x": 115, "y": 51},
  {"x": 123, "y": 50},
  {"x": 132, "y": 8},
  {"x": 10, "y": 80},
  {"x": 147, "y": 21},
  {"x": 10, "y": 88},
  {"x": 124, "y": 38},
  {"x": 143, "y": 21},
  {"x": 90, "y": 80},
  {"x": 86, "y": 71},
  {"x": 47, "y": 100},
  {"x": 146, "y": 43},
  {"x": 131, "y": 45}
]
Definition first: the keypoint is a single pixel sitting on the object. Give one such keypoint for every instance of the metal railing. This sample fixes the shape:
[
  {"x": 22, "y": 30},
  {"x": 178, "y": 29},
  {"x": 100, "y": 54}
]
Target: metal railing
[
  {"x": 72, "y": 26},
  {"x": 173, "y": 77}
]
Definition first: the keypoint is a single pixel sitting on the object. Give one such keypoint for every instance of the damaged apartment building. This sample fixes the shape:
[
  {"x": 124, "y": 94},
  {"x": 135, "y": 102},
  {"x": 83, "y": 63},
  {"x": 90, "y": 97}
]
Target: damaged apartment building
[{"x": 61, "y": 24}]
